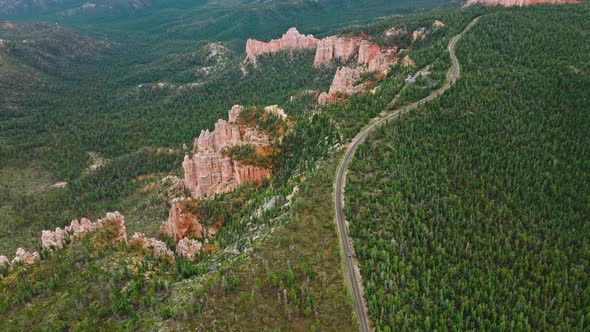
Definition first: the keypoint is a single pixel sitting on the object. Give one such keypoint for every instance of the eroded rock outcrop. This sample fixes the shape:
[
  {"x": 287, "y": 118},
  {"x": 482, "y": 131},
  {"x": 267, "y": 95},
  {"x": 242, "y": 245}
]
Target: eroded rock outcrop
[
  {"x": 188, "y": 248},
  {"x": 208, "y": 171},
  {"x": 368, "y": 52},
  {"x": 56, "y": 239},
  {"x": 157, "y": 247},
  {"x": 346, "y": 81},
  {"x": 114, "y": 223},
  {"x": 520, "y": 3},
  {"x": 23, "y": 256},
  {"x": 407, "y": 61},
  {"x": 418, "y": 34},
  {"x": 291, "y": 40},
  {"x": 334, "y": 47},
  {"x": 438, "y": 24},
  {"x": 182, "y": 222}
]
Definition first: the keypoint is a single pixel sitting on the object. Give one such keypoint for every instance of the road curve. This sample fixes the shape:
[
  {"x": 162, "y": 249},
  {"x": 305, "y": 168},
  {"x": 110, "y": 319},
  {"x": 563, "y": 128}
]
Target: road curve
[{"x": 353, "y": 271}]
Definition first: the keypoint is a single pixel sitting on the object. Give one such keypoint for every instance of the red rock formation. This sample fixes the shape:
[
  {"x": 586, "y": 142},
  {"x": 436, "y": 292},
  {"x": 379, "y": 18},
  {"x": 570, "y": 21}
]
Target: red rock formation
[
  {"x": 520, "y": 3},
  {"x": 333, "y": 47},
  {"x": 324, "y": 98},
  {"x": 188, "y": 248},
  {"x": 291, "y": 40},
  {"x": 368, "y": 52},
  {"x": 182, "y": 223},
  {"x": 208, "y": 171},
  {"x": 157, "y": 247},
  {"x": 407, "y": 61},
  {"x": 277, "y": 111},
  {"x": 229, "y": 133},
  {"x": 384, "y": 61},
  {"x": 345, "y": 80},
  {"x": 419, "y": 33}
]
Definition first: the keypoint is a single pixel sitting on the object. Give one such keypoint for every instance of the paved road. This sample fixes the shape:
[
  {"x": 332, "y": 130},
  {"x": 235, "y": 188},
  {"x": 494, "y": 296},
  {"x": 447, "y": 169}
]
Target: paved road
[{"x": 353, "y": 271}]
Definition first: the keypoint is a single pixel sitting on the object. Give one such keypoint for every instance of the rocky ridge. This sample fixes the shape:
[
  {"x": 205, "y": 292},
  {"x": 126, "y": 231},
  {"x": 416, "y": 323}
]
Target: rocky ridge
[
  {"x": 56, "y": 239},
  {"x": 291, "y": 40},
  {"x": 370, "y": 57},
  {"x": 59, "y": 238}
]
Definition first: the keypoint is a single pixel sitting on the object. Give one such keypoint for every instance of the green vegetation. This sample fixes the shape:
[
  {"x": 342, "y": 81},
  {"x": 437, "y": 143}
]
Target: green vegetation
[
  {"x": 472, "y": 212},
  {"x": 429, "y": 52},
  {"x": 106, "y": 116},
  {"x": 482, "y": 168},
  {"x": 291, "y": 281}
]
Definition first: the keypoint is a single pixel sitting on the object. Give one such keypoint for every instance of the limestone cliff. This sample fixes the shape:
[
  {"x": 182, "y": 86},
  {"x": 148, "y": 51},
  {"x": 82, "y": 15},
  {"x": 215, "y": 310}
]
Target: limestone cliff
[{"x": 520, "y": 3}]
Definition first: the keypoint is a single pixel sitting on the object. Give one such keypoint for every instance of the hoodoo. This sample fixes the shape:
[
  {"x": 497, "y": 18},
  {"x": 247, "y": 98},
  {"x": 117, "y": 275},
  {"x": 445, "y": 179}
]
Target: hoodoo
[
  {"x": 208, "y": 171},
  {"x": 291, "y": 40}
]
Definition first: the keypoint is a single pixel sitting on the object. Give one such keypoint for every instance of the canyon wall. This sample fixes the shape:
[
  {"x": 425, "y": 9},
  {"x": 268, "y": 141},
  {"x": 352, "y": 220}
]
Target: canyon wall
[{"x": 520, "y": 3}]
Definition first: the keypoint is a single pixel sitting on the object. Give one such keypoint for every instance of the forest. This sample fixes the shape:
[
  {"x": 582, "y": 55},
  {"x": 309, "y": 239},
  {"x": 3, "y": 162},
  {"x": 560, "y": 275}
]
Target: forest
[
  {"x": 138, "y": 133},
  {"x": 471, "y": 212},
  {"x": 431, "y": 224}
]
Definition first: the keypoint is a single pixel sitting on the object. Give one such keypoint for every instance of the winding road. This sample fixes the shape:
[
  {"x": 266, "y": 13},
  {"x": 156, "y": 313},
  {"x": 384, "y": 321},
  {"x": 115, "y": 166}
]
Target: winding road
[{"x": 353, "y": 271}]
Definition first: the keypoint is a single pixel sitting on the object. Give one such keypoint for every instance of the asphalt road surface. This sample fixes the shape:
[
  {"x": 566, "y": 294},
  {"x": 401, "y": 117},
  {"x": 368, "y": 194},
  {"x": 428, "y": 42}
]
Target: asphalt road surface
[{"x": 353, "y": 271}]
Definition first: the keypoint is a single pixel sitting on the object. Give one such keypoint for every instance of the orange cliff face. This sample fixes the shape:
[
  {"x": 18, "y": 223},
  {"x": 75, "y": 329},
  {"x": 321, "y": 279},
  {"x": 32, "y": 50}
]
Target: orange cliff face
[
  {"x": 520, "y": 3},
  {"x": 334, "y": 47},
  {"x": 209, "y": 172},
  {"x": 291, "y": 40}
]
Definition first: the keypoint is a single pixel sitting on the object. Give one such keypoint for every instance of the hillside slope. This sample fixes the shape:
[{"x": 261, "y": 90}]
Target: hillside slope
[{"x": 471, "y": 213}]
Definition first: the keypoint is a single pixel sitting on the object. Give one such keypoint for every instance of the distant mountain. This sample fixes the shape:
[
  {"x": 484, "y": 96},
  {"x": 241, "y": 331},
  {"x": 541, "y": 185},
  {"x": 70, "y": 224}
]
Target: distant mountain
[
  {"x": 14, "y": 8},
  {"x": 35, "y": 57}
]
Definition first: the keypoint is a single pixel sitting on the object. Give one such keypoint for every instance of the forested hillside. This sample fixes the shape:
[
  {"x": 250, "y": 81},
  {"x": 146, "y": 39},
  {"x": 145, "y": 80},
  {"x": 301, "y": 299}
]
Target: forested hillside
[
  {"x": 471, "y": 213},
  {"x": 153, "y": 84},
  {"x": 275, "y": 262}
]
